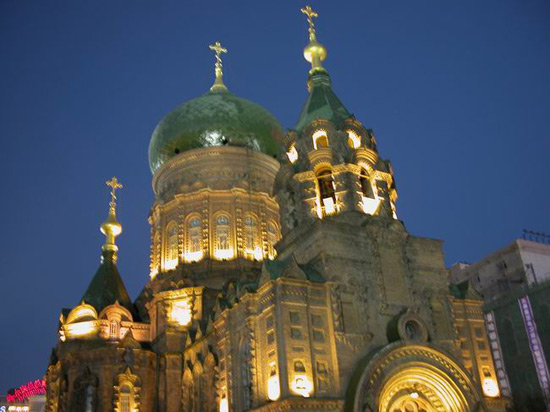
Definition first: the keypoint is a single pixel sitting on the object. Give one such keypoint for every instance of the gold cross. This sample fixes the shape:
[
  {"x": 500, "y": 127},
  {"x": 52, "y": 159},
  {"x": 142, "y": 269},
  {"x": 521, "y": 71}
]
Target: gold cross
[
  {"x": 114, "y": 185},
  {"x": 310, "y": 13},
  {"x": 217, "y": 47}
]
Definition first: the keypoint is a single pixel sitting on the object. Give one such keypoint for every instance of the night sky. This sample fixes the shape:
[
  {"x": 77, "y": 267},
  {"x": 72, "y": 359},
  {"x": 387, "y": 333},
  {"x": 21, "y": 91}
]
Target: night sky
[{"x": 458, "y": 95}]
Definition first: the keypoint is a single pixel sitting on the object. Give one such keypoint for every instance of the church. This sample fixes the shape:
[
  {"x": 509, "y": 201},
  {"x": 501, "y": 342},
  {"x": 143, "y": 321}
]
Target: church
[{"x": 281, "y": 278}]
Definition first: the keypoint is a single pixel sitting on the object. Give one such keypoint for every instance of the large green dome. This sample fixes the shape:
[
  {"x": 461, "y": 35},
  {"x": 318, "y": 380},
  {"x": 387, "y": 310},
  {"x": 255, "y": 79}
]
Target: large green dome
[{"x": 218, "y": 118}]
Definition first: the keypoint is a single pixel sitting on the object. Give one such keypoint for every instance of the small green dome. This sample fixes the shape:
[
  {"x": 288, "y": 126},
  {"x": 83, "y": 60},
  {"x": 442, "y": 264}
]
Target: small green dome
[{"x": 218, "y": 118}]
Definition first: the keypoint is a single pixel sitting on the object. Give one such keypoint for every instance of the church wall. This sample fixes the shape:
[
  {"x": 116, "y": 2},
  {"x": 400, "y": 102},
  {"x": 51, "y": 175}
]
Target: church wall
[
  {"x": 473, "y": 344},
  {"x": 100, "y": 368}
]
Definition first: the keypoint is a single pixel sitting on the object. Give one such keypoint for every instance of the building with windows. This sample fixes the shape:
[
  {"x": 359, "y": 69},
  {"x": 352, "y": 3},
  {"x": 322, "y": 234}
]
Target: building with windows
[
  {"x": 515, "y": 283},
  {"x": 523, "y": 263},
  {"x": 281, "y": 278}
]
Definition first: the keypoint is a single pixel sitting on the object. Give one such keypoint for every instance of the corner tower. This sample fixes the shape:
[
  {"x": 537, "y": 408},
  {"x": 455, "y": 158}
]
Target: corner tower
[{"x": 100, "y": 361}]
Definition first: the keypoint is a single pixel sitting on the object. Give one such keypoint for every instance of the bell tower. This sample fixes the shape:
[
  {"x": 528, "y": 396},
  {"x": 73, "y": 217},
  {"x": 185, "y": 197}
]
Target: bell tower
[
  {"x": 385, "y": 288},
  {"x": 332, "y": 165}
]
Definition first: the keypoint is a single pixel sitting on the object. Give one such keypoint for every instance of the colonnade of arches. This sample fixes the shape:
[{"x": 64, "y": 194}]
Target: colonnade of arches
[{"x": 256, "y": 243}]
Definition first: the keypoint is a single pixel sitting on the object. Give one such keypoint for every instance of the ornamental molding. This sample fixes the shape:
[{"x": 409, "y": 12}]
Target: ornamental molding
[
  {"x": 199, "y": 156},
  {"x": 184, "y": 292},
  {"x": 354, "y": 341},
  {"x": 399, "y": 356},
  {"x": 312, "y": 404},
  {"x": 133, "y": 384},
  {"x": 416, "y": 352}
]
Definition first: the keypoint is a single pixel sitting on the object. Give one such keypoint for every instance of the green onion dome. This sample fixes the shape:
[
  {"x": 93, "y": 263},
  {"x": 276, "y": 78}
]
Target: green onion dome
[{"x": 218, "y": 118}]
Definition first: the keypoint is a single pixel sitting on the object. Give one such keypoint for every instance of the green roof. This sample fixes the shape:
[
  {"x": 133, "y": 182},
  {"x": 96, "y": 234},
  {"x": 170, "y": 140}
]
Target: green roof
[
  {"x": 218, "y": 118},
  {"x": 107, "y": 287},
  {"x": 322, "y": 102}
]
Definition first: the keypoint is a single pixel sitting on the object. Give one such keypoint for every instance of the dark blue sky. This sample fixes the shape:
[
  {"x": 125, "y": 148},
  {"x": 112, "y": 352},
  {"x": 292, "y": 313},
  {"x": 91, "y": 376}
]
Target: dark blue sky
[{"x": 458, "y": 94}]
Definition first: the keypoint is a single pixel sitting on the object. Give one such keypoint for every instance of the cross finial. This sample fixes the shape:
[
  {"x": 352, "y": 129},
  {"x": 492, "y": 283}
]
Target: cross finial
[
  {"x": 114, "y": 185},
  {"x": 310, "y": 13},
  {"x": 218, "y": 83},
  {"x": 111, "y": 228},
  {"x": 314, "y": 52}
]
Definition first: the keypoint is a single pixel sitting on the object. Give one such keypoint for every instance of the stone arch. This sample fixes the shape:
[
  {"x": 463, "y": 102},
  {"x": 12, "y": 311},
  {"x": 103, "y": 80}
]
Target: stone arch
[
  {"x": 402, "y": 375},
  {"x": 85, "y": 389},
  {"x": 354, "y": 138},
  {"x": 320, "y": 139},
  {"x": 127, "y": 390}
]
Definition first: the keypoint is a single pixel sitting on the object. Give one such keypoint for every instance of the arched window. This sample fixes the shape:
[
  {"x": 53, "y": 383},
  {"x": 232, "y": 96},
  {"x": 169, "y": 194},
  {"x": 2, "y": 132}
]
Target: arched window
[
  {"x": 85, "y": 387},
  {"x": 113, "y": 330},
  {"x": 327, "y": 196},
  {"x": 292, "y": 153},
  {"x": 252, "y": 247},
  {"x": 272, "y": 239},
  {"x": 320, "y": 139},
  {"x": 222, "y": 242},
  {"x": 126, "y": 399},
  {"x": 193, "y": 251},
  {"x": 299, "y": 366},
  {"x": 89, "y": 398},
  {"x": 354, "y": 140},
  {"x": 366, "y": 186},
  {"x": 171, "y": 260}
]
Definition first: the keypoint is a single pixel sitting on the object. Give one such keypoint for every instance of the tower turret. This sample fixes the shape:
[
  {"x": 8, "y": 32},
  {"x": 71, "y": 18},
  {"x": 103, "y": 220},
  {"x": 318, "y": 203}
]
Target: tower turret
[
  {"x": 106, "y": 302},
  {"x": 332, "y": 164},
  {"x": 107, "y": 287}
]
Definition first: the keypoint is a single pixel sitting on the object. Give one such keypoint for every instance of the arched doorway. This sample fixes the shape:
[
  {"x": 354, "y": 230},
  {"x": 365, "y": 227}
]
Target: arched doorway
[
  {"x": 411, "y": 378},
  {"x": 421, "y": 388}
]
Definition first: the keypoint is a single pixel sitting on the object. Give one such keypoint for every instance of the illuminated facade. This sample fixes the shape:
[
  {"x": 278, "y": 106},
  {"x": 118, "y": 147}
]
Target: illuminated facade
[{"x": 274, "y": 285}]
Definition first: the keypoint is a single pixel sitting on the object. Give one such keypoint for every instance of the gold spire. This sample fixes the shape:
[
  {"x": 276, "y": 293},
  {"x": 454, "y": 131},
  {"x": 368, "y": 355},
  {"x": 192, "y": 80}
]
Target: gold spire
[
  {"x": 111, "y": 228},
  {"x": 314, "y": 52},
  {"x": 218, "y": 83}
]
